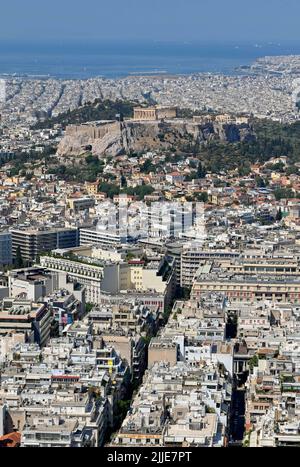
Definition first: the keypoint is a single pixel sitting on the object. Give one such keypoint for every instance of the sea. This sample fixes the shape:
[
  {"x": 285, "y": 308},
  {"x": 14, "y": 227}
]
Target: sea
[{"x": 116, "y": 59}]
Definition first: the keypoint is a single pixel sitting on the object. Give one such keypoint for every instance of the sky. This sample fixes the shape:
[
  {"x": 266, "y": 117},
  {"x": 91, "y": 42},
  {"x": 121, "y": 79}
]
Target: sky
[{"x": 149, "y": 20}]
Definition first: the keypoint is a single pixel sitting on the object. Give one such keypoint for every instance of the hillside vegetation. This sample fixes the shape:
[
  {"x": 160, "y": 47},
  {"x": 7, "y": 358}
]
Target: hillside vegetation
[
  {"x": 98, "y": 110},
  {"x": 273, "y": 139}
]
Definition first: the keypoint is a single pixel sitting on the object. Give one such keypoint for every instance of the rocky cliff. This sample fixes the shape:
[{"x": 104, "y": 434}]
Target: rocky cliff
[{"x": 118, "y": 137}]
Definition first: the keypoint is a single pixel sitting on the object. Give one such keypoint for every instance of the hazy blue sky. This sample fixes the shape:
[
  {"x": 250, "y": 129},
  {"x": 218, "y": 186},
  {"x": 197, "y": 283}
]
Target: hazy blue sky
[{"x": 174, "y": 20}]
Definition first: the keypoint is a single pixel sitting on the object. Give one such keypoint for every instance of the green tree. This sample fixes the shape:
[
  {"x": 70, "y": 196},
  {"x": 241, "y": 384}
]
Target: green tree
[
  {"x": 123, "y": 181},
  {"x": 201, "y": 172},
  {"x": 147, "y": 167},
  {"x": 279, "y": 215},
  {"x": 292, "y": 170},
  {"x": 244, "y": 170},
  {"x": 88, "y": 307},
  {"x": 253, "y": 362},
  {"x": 139, "y": 191},
  {"x": 284, "y": 193},
  {"x": 260, "y": 182},
  {"x": 110, "y": 189},
  {"x": 129, "y": 256},
  {"x": 90, "y": 159},
  {"x": 203, "y": 197}
]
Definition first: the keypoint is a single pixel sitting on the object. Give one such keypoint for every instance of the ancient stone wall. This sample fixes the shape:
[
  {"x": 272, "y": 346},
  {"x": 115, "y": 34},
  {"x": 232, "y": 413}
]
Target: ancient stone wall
[{"x": 96, "y": 131}]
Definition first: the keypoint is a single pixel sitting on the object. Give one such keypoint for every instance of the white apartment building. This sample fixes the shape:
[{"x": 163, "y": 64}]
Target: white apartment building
[{"x": 104, "y": 276}]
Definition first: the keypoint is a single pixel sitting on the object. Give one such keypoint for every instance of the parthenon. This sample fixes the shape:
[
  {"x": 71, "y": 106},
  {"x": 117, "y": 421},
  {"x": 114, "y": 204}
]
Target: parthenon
[{"x": 154, "y": 113}]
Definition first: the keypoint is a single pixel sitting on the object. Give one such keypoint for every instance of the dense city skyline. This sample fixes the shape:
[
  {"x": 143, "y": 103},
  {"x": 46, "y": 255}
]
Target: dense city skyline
[{"x": 149, "y": 226}]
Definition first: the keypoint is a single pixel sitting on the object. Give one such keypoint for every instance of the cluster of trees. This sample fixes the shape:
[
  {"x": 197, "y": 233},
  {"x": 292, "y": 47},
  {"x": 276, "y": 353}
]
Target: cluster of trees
[
  {"x": 273, "y": 139},
  {"x": 94, "y": 167},
  {"x": 67, "y": 173},
  {"x": 285, "y": 193},
  {"x": 88, "y": 170},
  {"x": 148, "y": 167},
  {"x": 139, "y": 191},
  {"x": 23, "y": 158},
  {"x": 110, "y": 189}
]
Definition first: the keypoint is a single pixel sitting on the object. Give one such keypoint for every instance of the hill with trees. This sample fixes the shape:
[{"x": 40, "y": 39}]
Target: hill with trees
[
  {"x": 273, "y": 139},
  {"x": 98, "y": 110}
]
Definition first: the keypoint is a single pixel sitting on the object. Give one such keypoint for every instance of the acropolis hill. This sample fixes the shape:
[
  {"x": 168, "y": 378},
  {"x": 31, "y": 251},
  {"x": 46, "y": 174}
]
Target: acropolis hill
[{"x": 151, "y": 128}]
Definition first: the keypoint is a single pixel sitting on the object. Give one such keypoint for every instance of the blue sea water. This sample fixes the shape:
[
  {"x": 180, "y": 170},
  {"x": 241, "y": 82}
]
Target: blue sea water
[{"x": 118, "y": 59}]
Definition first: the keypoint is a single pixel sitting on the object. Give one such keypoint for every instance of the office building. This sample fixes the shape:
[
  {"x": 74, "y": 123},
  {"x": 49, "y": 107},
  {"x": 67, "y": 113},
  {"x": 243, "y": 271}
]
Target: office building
[{"x": 33, "y": 242}]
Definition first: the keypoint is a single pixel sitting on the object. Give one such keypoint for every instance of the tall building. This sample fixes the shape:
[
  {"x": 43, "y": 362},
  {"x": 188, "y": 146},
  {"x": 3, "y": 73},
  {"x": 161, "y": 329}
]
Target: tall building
[
  {"x": 93, "y": 236},
  {"x": 194, "y": 257},
  {"x": 31, "y": 283},
  {"x": 111, "y": 277},
  {"x": 247, "y": 288},
  {"x": 33, "y": 242},
  {"x": 5, "y": 248},
  {"x": 33, "y": 320}
]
